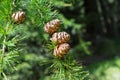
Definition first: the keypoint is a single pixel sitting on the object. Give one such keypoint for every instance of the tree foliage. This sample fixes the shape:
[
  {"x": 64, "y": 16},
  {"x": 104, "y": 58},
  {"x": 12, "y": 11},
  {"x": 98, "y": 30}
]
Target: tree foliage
[{"x": 25, "y": 43}]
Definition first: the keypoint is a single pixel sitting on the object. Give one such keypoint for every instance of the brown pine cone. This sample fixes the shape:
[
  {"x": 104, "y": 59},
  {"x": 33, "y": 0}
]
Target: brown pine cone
[
  {"x": 52, "y": 26},
  {"x": 61, "y": 50},
  {"x": 18, "y": 17},
  {"x": 60, "y": 37}
]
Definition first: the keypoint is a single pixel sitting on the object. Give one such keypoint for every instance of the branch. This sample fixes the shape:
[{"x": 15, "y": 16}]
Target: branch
[
  {"x": 4, "y": 40},
  {"x": 14, "y": 1},
  {"x": 4, "y": 46}
]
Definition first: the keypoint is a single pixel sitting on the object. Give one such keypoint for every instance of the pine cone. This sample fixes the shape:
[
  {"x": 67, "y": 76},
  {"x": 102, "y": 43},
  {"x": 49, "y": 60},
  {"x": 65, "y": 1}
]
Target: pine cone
[
  {"x": 52, "y": 26},
  {"x": 18, "y": 17},
  {"x": 61, "y": 50},
  {"x": 60, "y": 37}
]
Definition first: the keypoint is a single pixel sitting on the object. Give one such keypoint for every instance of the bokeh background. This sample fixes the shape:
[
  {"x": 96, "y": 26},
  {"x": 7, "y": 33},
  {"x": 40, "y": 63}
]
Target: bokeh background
[{"x": 95, "y": 30}]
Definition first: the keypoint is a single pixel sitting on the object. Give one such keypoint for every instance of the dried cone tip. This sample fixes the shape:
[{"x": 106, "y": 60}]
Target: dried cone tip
[
  {"x": 60, "y": 37},
  {"x": 52, "y": 26},
  {"x": 61, "y": 50},
  {"x": 18, "y": 17}
]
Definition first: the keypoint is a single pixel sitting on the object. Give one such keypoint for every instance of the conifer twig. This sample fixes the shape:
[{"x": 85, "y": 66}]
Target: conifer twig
[
  {"x": 4, "y": 40},
  {"x": 14, "y": 1},
  {"x": 4, "y": 46}
]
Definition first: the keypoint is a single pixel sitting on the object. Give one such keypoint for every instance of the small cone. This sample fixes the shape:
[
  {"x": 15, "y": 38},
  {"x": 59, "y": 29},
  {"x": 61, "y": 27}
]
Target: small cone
[
  {"x": 52, "y": 26},
  {"x": 60, "y": 37},
  {"x": 18, "y": 17},
  {"x": 61, "y": 50}
]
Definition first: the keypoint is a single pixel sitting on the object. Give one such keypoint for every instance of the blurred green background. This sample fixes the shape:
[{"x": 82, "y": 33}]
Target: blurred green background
[
  {"x": 95, "y": 30},
  {"x": 94, "y": 26}
]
